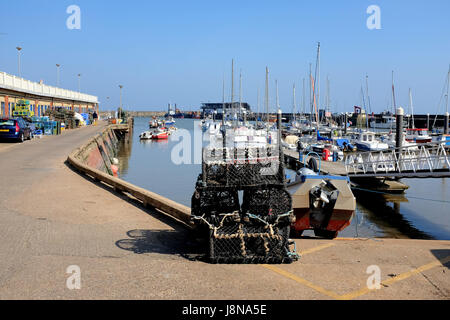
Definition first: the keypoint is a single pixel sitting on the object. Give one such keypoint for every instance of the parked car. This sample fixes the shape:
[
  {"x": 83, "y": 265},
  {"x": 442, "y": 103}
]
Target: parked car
[{"x": 15, "y": 128}]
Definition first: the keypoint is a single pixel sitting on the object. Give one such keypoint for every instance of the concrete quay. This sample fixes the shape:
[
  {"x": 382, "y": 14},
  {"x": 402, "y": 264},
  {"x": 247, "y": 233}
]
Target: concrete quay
[{"x": 54, "y": 217}]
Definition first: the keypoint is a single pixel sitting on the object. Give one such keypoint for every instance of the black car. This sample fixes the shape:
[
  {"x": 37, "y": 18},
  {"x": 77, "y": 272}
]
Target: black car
[{"x": 15, "y": 128}]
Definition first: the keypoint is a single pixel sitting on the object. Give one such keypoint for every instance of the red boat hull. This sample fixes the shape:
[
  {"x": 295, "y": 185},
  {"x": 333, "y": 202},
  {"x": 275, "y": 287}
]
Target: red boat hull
[
  {"x": 340, "y": 219},
  {"x": 160, "y": 136}
]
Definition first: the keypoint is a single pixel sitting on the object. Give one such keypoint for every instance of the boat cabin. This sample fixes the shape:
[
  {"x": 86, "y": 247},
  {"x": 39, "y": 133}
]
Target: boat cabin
[{"x": 418, "y": 135}]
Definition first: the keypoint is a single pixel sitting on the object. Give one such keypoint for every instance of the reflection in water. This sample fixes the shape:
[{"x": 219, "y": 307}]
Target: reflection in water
[
  {"x": 387, "y": 216},
  {"x": 123, "y": 155},
  {"x": 148, "y": 164}
]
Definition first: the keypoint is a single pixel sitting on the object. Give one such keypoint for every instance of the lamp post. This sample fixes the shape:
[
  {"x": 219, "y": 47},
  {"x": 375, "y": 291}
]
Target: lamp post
[
  {"x": 57, "y": 74},
  {"x": 18, "y": 59},
  {"x": 79, "y": 86},
  {"x": 120, "y": 86}
]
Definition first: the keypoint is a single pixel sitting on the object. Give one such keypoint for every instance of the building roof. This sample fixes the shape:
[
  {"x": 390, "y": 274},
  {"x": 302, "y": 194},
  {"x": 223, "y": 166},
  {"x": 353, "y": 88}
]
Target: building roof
[{"x": 219, "y": 105}]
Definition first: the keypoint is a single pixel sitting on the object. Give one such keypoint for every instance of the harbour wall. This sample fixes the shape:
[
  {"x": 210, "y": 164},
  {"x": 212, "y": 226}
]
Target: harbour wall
[{"x": 94, "y": 158}]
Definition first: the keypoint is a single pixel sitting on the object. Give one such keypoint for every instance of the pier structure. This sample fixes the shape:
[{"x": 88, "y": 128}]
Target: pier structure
[{"x": 41, "y": 96}]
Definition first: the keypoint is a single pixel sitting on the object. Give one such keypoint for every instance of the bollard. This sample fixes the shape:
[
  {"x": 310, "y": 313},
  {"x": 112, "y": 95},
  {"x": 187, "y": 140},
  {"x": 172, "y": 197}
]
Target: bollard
[
  {"x": 446, "y": 123},
  {"x": 399, "y": 128},
  {"x": 279, "y": 131},
  {"x": 345, "y": 123},
  {"x": 399, "y": 133}
]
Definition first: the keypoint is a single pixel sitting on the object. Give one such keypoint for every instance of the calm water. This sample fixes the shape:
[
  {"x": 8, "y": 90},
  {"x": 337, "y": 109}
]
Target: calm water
[{"x": 148, "y": 164}]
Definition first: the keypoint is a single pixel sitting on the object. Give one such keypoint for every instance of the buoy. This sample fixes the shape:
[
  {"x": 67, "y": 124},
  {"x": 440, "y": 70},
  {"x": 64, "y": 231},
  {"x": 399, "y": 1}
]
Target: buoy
[
  {"x": 115, "y": 167},
  {"x": 326, "y": 154}
]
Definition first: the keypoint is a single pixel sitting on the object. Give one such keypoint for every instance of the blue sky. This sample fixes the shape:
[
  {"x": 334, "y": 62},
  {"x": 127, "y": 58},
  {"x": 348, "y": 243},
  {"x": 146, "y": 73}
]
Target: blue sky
[{"x": 179, "y": 51}]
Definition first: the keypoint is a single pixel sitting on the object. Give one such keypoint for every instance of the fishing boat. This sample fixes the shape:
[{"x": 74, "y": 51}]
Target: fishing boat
[
  {"x": 418, "y": 135},
  {"x": 368, "y": 142},
  {"x": 154, "y": 123},
  {"x": 169, "y": 121},
  {"x": 146, "y": 135},
  {"x": 290, "y": 142},
  {"x": 391, "y": 141},
  {"x": 386, "y": 122},
  {"x": 156, "y": 134},
  {"x": 159, "y": 134},
  {"x": 325, "y": 204}
]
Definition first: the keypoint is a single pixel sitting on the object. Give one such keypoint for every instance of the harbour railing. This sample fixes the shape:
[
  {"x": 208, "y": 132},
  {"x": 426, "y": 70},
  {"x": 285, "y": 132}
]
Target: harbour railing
[{"x": 421, "y": 160}]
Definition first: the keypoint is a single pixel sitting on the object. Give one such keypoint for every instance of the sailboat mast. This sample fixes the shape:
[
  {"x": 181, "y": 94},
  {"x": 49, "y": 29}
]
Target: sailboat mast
[
  {"x": 448, "y": 85},
  {"x": 368, "y": 96},
  {"x": 310, "y": 96},
  {"x": 393, "y": 93},
  {"x": 318, "y": 80},
  {"x": 257, "y": 107},
  {"x": 267, "y": 96},
  {"x": 276, "y": 103},
  {"x": 223, "y": 100},
  {"x": 328, "y": 94},
  {"x": 303, "y": 98},
  {"x": 232, "y": 89},
  {"x": 411, "y": 106},
  {"x": 293, "y": 102},
  {"x": 240, "y": 94}
]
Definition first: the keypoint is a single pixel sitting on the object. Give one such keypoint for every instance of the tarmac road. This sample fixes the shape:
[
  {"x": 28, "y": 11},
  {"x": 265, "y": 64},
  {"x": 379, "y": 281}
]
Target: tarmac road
[{"x": 53, "y": 218}]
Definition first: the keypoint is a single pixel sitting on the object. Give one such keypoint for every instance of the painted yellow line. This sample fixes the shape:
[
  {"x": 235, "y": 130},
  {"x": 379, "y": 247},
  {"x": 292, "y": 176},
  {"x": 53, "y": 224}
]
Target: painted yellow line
[
  {"x": 324, "y": 246},
  {"x": 400, "y": 277},
  {"x": 351, "y": 239},
  {"x": 301, "y": 281},
  {"x": 357, "y": 293}
]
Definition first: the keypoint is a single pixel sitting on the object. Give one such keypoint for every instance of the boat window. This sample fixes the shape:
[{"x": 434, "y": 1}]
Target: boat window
[
  {"x": 370, "y": 138},
  {"x": 364, "y": 138}
]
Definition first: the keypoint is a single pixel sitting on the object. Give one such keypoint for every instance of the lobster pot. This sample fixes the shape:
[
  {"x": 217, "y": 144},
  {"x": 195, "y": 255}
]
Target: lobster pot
[
  {"x": 242, "y": 206},
  {"x": 255, "y": 231},
  {"x": 242, "y": 167},
  {"x": 250, "y": 243}
]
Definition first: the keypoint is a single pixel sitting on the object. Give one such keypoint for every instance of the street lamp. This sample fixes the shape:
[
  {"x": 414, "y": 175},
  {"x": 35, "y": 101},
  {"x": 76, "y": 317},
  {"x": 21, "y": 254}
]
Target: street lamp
[
  {"x": 120, "y": 86},
  {"x": 18, "y": 59},
  {"x": 79, "y": 75},
  {"x": 57, "y": 74}
]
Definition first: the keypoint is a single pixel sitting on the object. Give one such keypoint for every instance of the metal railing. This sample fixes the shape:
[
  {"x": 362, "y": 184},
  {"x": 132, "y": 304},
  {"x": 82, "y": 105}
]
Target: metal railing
[
  {"x": 8, "y": 81},
  {"x": 430, "y": 158}
]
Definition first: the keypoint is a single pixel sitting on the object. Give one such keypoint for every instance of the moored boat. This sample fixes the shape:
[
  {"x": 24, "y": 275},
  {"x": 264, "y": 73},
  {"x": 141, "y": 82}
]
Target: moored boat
[
  {"x": 368, "y": 142},
  {"x": 325, "y": 204},
  {"x": 418, "y": 135}
]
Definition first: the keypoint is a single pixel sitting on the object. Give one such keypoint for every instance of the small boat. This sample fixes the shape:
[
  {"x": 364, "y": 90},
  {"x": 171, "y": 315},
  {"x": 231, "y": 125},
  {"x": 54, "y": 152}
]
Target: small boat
[
  {"x": 387, "y": 121},
  {"x": 325, "y": 204},
  {"x": 146, "y": 135},
  {"x": 368, "y": 142},
  {"x": 169, "y": 121},
  {"x": 290, "y": 142},
  {"x": 418, "y": 135},
  {"x": 171, "y": 129},
  {"x": 391, "y": 141},
  {"x": 159, "y": 134},
  {"x": 155, "y": 123}
]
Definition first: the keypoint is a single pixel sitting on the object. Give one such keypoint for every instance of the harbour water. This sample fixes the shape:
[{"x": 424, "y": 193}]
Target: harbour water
[{"x": 421, "y": 213}]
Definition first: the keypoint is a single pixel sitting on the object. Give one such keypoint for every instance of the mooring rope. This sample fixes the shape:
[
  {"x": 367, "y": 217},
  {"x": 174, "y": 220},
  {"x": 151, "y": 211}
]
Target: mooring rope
[{"x": 412, "y": 197}]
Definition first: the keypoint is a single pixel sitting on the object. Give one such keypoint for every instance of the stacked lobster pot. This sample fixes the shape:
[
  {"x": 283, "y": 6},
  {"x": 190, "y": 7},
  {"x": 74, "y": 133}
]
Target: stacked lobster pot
[{"x": 240, "y": 203}]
